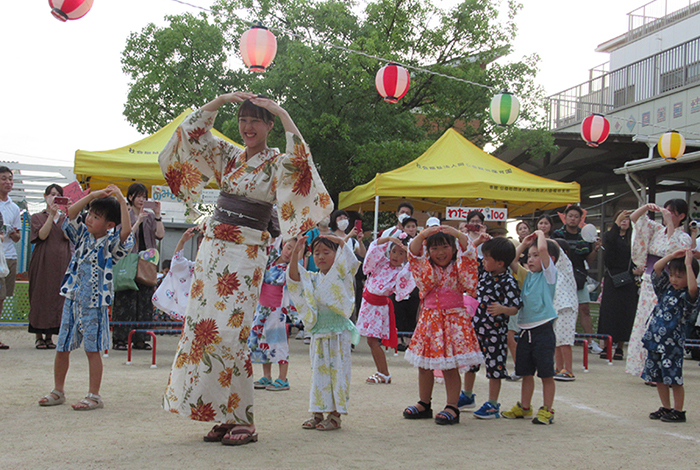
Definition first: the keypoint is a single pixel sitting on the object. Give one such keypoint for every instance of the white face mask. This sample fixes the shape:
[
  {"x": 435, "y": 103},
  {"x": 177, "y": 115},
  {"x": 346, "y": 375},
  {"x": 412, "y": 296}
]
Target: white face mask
[
  {"x": 343, "y": 224},
  {"x": 402, "y": 216}
]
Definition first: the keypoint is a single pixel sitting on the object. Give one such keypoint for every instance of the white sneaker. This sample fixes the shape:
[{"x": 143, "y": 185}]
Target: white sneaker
[
  {"x": 300, "y": 335},
  {"x": 594, "y": 348}
]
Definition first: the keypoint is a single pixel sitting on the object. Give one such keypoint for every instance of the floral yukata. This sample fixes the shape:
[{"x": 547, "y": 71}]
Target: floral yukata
[
  {"x": 325, "y": 303},
  {"x": 650, "y": 244},
  {"x": 374, "y": 320},
  {"x": 665, "y": 337},
  {"x": 211, "y": 376},
  {"x": 268, "y": 337},
  {"x": 444, "y": 338}
]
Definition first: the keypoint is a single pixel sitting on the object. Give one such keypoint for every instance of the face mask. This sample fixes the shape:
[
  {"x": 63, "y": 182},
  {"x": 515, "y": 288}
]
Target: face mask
[
  {"x": 401, "y": 217},
  {"x": 343, "y": 224}
]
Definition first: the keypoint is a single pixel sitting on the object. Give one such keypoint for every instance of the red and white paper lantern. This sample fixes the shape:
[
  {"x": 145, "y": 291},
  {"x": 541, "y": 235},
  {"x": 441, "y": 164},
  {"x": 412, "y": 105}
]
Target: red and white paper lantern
[
  {"x": 392, "y": 82},
  {"x": 258, "y": 48},
  {"x": 65, "y": 10},
  {"x": 595, "y": 129}
]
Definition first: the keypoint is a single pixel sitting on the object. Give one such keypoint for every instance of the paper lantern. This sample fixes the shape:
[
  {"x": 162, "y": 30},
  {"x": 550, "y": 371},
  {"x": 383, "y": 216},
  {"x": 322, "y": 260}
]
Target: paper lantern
[
  {"x": 65, "y": 10},
  {"x": 258, "y": 48},
  {"x": 505, "y": 108},
  {"x": 595, "y": 129},
  {"x": 392, "y": 82},
  {"x": 671, "y": 146}
]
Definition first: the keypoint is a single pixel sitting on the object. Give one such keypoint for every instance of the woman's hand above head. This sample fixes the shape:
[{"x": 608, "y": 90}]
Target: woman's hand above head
[
  {"x": 622, "y": 216},
  {"x": 233, "y": 97},
  {"x": 278, "y": 111},
  {"x": 340, "y": 241}
]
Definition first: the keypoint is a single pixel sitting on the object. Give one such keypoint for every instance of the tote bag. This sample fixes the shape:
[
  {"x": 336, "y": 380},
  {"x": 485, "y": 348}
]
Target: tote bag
[{"x": 125, "y": 273}]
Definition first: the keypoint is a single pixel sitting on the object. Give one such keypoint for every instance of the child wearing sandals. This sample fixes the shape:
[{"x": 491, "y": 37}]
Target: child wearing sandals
[
  {"x": 387, "y": 273},
  {"x": 664, "y": 339},
  {"x": 268, "y": 336},
  {"x": 325, "y": 301},
  {"x": 537, "y": 343},
  {"x": 87, "y": 287},
  {"x": 444, "y": 338}
]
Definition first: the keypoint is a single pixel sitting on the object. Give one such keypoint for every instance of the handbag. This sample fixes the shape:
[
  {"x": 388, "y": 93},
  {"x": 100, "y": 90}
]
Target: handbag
[
  {"x": 125, "y": 273},
  {"x": 146, "y": 273},
  {"x": 622, "y": 279}
]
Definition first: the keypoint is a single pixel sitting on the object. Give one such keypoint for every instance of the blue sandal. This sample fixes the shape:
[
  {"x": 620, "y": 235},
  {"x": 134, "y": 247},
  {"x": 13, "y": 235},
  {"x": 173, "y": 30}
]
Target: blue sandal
[
  {"x": 263, "y": 382},
  {"x": 444, "y": 417},
  {"x": 412, "y": 412},
  {"x": 278, "y": 385}
]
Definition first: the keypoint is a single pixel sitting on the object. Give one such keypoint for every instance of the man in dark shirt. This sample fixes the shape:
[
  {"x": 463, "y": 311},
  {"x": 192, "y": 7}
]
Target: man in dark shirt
[{"x": 580, "y": 252}]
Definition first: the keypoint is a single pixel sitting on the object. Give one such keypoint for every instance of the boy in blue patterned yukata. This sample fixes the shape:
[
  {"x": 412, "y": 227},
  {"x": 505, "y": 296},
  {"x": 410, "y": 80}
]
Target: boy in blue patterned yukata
[
  {"x": 87, "y": 287},
  {"x": 677, "y": 291}
]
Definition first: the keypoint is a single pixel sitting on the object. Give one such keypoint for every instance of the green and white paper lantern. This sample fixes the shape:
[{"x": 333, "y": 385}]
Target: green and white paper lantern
[{"x": 505, "y": 108}]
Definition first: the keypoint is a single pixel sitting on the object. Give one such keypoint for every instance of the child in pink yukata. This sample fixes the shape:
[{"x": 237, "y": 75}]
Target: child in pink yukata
[{"x": 387, "y": 273}]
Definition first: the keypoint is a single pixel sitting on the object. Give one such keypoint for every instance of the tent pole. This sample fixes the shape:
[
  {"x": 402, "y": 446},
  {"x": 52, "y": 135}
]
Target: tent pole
[{"x": 376, "y": 216}]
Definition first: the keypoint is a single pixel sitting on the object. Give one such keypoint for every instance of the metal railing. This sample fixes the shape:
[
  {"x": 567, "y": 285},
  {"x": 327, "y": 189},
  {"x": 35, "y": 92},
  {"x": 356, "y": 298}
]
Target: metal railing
[
  {"x": 658, "y": 14},
  {"x": 663, "y": 72}
]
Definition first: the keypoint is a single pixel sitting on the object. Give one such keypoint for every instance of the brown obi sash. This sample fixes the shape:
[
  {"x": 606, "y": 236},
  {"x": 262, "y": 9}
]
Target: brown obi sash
[{"x": 232, "y": 209}]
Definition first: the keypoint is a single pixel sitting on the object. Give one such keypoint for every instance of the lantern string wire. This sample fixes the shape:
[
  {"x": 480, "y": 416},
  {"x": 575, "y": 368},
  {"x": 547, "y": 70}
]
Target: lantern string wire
[{"x": 346, "y": 49}]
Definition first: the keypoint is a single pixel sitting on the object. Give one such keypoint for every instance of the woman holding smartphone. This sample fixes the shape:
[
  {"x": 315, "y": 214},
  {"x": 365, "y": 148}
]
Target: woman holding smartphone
[
  {"x": 136, "y": 305},
  {"x": 48, "y": 263}
]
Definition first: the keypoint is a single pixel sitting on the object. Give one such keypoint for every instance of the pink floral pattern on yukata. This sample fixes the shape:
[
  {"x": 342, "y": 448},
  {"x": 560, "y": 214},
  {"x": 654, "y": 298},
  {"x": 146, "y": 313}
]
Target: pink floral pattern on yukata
[
  {"x": 649, "y": 239},
  {"x": 445, "y": 339},
  {"x": 373, "y": 320}
]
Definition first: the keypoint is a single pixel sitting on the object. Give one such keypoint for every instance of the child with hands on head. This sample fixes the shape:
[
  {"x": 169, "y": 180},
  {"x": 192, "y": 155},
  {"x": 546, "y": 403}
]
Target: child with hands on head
[
  {"x": 387, "y": 274},
  {"x": 444, "y": 338},
  {"x": 664, "y": 340},
  {"x": 498, "y": 299},
  {"x": 325, "y": 301},
  {"x": 537, "y": 343},
  {"x": 87, "y": 287},
  {"x": 268, "y": 336}
]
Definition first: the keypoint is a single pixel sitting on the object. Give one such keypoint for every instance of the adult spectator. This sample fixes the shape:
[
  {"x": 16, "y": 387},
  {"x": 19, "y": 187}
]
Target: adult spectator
[
  {"x": 137, "y": 305},
  {"x": 12, "y": 223},
  {"x": 652, "y": 241},
  {"x": 404, "y": 209},
  {"x": 618, "y": 304},
  {"x": 523, "y": 229},
  {"x": 47, "y": 266},
  {"x": 339, "y": 224},
  {"x": 581, "y": 252},
  {"x": 473, "y": 227}
]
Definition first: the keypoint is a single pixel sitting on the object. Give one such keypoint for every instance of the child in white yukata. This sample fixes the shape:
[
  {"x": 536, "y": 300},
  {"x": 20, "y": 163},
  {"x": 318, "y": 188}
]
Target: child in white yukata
[
  {"x": 173, "y": 293},
  {"x": 87, "y": 287},
  {"x": 268, "y": 336},
  {"x": 325, "y": 302},
  {"x": 388, "y": 274}
]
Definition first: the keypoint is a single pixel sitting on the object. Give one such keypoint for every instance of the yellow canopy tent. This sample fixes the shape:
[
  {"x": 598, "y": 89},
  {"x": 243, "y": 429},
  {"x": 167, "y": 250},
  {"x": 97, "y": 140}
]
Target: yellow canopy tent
[
  {"x": 137, "y": 162},
  {"x": 455, "y": 172}
]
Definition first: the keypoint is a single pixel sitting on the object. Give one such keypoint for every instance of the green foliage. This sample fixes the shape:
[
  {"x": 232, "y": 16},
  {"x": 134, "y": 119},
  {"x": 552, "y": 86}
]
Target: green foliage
[{"x": 329, "y": 92}]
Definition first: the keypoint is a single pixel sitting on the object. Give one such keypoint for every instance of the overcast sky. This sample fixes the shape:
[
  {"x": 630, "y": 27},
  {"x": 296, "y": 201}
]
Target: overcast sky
[{"x": 63, "y": 88}]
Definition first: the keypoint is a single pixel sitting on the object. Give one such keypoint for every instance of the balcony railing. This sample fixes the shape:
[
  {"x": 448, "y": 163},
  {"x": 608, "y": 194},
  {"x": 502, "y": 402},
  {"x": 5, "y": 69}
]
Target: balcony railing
[{"x": 663, "y": 72}]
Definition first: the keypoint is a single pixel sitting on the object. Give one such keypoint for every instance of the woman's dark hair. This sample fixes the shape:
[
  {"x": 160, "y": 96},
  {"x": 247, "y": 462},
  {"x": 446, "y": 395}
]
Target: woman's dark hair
[
  {"x": 440, "y": 239},
  {"x": 325, "y": 242},
  {"x": 617, "y": 214},
  {"x": 471, "y": 214},
  {"x": 135, "y": 190},
  {"x": 107, "y": 207},
  {"x": 564, "y": 245},
  {"x": 548, "y": 219},
  {"x": 679, "y": 206},
  {"x": 248, "y": 109},
  {"x": 333, "y": 224},
  {"x": 48, "y": 189}
]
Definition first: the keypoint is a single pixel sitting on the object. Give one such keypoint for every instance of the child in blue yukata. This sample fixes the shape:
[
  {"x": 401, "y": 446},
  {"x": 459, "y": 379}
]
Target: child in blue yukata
[
  {"x": 87, "y": 287},
  {"x": 537, "y": 343},
  {"x": 499, "y": 298},
  {"x": 677, "y": 291}
]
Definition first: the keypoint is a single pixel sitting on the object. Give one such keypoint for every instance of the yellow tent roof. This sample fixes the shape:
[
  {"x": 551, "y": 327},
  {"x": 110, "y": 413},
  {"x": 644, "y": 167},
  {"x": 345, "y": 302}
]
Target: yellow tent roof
[
  {"x": 455, "y": 172},
  {"x": 137, "y": 162}
]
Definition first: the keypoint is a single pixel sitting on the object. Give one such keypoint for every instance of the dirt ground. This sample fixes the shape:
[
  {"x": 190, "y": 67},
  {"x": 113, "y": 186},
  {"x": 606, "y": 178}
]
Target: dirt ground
[{"x": 600, "y": 423}]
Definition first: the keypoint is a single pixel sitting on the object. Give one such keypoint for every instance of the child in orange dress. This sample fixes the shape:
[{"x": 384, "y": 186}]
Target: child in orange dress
[{"x": 444, "y": 338}]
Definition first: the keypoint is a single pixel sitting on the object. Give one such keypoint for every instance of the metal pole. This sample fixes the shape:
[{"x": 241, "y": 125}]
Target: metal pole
[{"x": 376, "y": 216}]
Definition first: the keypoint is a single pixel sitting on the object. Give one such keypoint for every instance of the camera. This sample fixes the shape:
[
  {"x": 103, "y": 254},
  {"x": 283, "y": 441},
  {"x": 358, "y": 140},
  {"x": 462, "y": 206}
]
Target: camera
[{"x": 694, "y": 223}]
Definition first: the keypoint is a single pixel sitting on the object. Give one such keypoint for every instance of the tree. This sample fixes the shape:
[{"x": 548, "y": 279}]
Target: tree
[{"x": 330, "y": 92}]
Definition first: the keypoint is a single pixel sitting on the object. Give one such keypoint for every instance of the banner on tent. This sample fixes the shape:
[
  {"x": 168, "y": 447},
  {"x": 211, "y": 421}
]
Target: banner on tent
[{"x": 498, "y": 214}]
